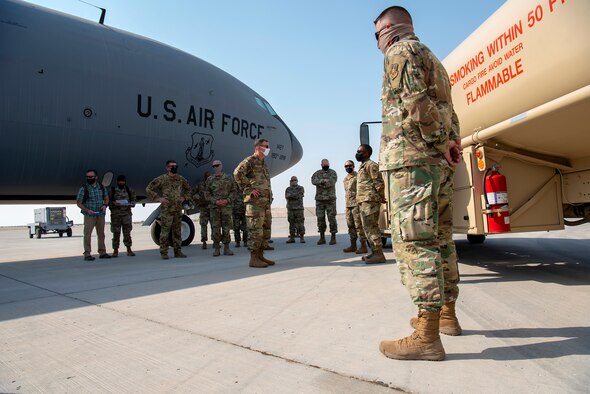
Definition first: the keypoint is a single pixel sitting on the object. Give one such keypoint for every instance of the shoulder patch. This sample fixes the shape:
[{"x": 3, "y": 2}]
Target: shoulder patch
[{"x": 396, "y": 67}]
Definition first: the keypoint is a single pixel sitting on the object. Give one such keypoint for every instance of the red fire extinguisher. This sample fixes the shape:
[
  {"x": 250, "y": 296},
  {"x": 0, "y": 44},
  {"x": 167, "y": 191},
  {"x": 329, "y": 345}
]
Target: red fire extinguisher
[{"x": 496, "y": 196}]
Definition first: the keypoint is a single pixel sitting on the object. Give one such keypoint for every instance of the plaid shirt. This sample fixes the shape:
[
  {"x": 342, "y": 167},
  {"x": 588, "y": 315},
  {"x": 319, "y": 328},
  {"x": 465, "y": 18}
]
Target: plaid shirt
[{"x": 95, "y": 199}]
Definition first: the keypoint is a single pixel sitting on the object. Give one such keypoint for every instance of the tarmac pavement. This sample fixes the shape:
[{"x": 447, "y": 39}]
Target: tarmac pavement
[{"x": 310, "y": 324}]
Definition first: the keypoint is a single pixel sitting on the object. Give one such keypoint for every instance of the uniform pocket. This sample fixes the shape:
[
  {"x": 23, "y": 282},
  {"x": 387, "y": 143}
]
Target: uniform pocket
[{"x": 414, "y": 219}]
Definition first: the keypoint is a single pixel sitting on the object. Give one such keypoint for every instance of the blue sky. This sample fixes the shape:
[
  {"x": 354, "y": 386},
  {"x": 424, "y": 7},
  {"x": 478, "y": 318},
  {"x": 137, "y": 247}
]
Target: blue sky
[{"x": 316, "y": 62}]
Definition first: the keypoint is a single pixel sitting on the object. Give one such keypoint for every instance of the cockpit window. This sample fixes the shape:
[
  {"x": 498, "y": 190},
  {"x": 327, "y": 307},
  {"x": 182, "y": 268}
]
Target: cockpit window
[
  {"x": 265, "y": 105},
  {"x": 259, "y": 102},
  {"x": 272, "y": 111}
]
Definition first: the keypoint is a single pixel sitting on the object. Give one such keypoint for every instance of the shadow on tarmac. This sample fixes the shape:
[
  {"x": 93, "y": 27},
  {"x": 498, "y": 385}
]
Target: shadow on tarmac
[
  {"x": 574, "y": 342},
  {"x": 548, "y": 260}
]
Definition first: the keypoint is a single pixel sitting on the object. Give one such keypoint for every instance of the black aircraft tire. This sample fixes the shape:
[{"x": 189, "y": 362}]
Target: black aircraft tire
[
  {"x": 38, "y": 232},
  {"x": 61, "y": 234},
  {"x": 69, "y": 232},
  {"x": 187, "y": 231}
]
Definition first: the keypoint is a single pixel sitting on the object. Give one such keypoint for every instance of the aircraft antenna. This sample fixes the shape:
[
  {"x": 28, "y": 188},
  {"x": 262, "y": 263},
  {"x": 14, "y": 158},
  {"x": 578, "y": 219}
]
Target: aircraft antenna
[{"x": 102, "y": 13}]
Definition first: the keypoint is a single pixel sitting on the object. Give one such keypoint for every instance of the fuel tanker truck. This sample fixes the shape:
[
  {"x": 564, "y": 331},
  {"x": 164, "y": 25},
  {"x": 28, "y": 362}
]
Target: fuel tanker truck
[{"x": 521, "y": 90}]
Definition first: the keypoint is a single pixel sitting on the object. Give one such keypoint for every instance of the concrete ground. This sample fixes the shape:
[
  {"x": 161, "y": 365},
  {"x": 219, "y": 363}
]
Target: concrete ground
[{"x": 310, "y": 324}]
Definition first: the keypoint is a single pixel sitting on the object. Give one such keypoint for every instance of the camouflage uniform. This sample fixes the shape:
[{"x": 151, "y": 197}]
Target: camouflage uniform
[
  {"x": 239, "y": 217},
  {"x": 370, "y": 193},
  {"x": 252, "y": 174},
  {"x": 203, "y": 205},
  {"x": 353, "y": 216},
  {"x": 418, "y": 122},
  {"x": 325, "y": 198},
  {"x": 220, "y": 188},
  {"x": 294, "y": 197},
  {"x": 174, "y": 188},
  {"x": 121, "y": 214}
]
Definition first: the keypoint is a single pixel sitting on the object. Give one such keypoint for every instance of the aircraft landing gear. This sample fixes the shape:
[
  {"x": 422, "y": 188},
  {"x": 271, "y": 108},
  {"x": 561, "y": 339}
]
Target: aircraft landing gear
[{"x": 187, "y": 231}]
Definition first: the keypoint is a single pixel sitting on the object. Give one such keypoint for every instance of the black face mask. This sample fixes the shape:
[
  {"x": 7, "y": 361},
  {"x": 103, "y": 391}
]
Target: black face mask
[
  {"x": 174, "y": 169},
  {"x": 121, "y": 185},
  {"x": 359, "y": 156},
  {"x": 91, "y": 180},
  {"x": 325, "y": 168},
  {"x": 349, "y": 170}
]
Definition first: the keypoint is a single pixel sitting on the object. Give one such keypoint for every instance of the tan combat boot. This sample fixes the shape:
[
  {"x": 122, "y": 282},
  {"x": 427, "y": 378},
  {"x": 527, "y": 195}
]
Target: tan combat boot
[
  {"x": 255, "y": 261},
  {"x": 216, "y": 249},
  {"x": 363, "y": 248},
  {"x": 115, "y": 252},
  {"x": 449, "y": 324},
  {"x": 261, "y": 257},
  {"x": 423, "y": 344},
  {"x": 227, "y": 251},
  {"x": 333, "y": 239},
  {"x": 129, "y": 251},
  {"x": 322, "y": 240},
  {"x": 376, "y": 257},
  {"x": 351, "y": 248},
  {"x": 291, "y": 239},
  {"x": 301, "y": 239}
]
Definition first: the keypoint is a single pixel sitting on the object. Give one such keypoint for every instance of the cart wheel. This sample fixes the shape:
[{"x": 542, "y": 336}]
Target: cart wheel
[
  {"x": 69, "y": 232},
  {"x": 30, "y": 235},
  {"x": 476, "y": 238},
  {"x": 38, "y": 232},
  {"x": 61, "y": 234}
]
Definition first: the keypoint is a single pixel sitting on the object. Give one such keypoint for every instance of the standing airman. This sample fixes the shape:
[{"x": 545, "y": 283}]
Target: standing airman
[
  {"x": 294, "y": 196},
  {"x": 353, "y": 217},
  {"x": 171, "y": 190},
  {"x": 325, "y": 197},
  {"x": 219, "y": 190},
  {"x": 121, "y": 200},
  {"x": 253, "y": 178}
]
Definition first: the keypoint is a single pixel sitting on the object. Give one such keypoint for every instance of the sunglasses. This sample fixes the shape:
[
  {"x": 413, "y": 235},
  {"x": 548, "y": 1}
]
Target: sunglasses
[
  {"x": 378, "y": 33},
  {"x": 348, "y": 166}
]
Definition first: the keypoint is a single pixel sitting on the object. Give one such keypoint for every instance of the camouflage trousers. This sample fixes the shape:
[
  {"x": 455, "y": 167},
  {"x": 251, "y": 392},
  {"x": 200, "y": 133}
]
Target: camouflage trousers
[
  {"x": 323, "y": 208},
  {"x": 121, "y": 220},
  {"x": 259, "y": 221},
  {"x": 296, "y": 219},
  {"x": 421, "y": 215},
  {"x": 170, "y": 228},
  {"x": 354, "y": 224},
  {"x": 239, "y": 218},
  {"x": 203, "y": 221},
  {"x": 221, "y": 223},
  {"x": 369, "y": 212}
]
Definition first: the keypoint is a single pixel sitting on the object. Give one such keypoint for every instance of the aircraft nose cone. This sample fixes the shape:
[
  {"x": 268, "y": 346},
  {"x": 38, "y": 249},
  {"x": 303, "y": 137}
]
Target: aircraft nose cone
[{"x": 296, "y": 151}]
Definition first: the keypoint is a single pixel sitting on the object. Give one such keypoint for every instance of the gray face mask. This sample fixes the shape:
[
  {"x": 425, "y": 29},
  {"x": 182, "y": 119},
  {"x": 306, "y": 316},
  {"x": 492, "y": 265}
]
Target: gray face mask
[{"x": 294, "y": 183}]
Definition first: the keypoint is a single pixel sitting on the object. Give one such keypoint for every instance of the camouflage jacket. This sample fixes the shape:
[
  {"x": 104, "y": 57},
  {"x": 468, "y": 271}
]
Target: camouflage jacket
[
  {"x": 118, "y": 194},
  {"x": 369, "y": 183},
  {"x": 238, "y": 200},
  {"x": 199, "y": 195},
  {"x": 252, "y": 174},
  {"x": 350, "y": 189},
  {"x": 219, "y": 188},
  {"x": 174, "y": 188},
  {"x": 294, "y": 197},
  {"x": 325, "y": 183},
  {"x": 417, "y": 107}
]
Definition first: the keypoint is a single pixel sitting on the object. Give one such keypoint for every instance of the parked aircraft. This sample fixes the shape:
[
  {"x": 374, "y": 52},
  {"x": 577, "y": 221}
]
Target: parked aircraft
[{"x": 77, "y": 94}]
